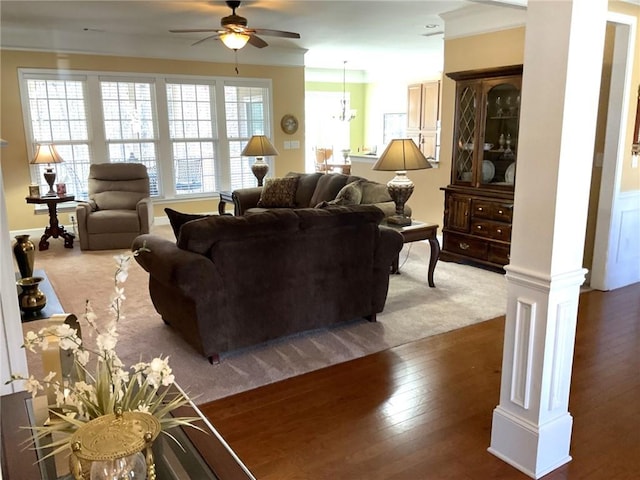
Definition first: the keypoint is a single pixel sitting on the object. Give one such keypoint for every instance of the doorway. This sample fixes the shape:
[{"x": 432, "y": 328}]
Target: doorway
[{"x": 616, "y": 234}]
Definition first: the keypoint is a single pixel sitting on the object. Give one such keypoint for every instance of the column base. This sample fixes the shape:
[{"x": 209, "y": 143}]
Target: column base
[{"x": 535, "y": 451}]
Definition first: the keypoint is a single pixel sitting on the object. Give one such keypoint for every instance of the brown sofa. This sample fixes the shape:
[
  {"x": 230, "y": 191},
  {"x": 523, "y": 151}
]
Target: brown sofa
[
  {"x": 313, "y": 189},
  {"x": 231, "y": 282}
]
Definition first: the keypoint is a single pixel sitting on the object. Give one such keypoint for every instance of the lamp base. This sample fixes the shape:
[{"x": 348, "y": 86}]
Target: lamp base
[
  {"x": 399, "y": 220},
  {"x": 260, "y": 169},
  {"x": 50, "y": 177},
  {"x": 400, "y": 189}
]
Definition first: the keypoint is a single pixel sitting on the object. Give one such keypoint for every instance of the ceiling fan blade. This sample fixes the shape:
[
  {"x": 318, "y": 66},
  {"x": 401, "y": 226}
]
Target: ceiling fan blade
[
  {"x": 257, "y": 41},
  {"x": 195, "y": 30},
  {"x": 204, "y": 39},
  {"x": 277, "y": 33}
]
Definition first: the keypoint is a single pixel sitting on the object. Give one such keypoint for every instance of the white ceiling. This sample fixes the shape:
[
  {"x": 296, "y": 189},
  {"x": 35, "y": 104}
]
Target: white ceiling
[{"x": 369, "y": 35}]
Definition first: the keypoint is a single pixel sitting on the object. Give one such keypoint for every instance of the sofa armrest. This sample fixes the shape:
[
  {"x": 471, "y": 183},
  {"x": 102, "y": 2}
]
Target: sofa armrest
[
  {"x": 245, "y": 198},
  {"x": 83, "y": 210},
  {"x": 389, "y": 208},
  {"x": 389, "y": 246},
  {"x": 170, "y": 265},
  {"x": 145, "y": 213}
]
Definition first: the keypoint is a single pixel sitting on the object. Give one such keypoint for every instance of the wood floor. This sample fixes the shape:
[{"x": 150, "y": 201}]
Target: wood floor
[{"x": 423, "y": 410}]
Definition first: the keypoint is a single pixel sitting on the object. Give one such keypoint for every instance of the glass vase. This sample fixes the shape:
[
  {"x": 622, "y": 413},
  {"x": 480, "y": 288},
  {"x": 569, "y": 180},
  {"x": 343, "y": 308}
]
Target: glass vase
[{"x": 124, "y": 468}]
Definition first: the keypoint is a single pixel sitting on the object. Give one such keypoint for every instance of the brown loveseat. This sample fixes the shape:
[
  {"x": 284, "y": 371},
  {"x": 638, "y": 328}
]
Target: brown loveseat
[
  {"x": 230, "y": 282},
  {"x": 312, "y": 189}
]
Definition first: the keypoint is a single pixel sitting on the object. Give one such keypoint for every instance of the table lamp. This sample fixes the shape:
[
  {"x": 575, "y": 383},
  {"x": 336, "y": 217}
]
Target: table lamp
[
  {"x": 47, "y": 153},
  {"x": 258, "y": 147},
  {"x": 401, "y": 154}
]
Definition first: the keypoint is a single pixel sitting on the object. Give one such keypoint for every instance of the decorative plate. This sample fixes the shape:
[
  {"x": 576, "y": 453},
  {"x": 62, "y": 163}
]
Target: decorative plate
[
  {"x": 488, "y": 171},
  {"x": 510, "y": 173},
  {"x": 289, "y": 124}
]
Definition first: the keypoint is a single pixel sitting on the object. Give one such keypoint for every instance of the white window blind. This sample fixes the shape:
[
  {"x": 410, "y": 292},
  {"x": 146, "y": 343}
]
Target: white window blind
[
  {"x": 57, "y": 112},
  {"x": 129, "y": 125},
  {"x": 188, "y": 131},
  {"x": 191, "y": 112},
  {"x": 247, "y": 112}
]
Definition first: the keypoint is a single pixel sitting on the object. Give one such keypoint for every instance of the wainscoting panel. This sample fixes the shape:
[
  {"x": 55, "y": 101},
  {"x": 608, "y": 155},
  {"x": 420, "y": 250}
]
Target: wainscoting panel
[{"x": 522, "y": 353}]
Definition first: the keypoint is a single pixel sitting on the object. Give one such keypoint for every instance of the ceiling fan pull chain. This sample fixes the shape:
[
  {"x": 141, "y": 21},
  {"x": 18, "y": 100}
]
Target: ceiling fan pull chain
[{"x": 236, "y": 55}]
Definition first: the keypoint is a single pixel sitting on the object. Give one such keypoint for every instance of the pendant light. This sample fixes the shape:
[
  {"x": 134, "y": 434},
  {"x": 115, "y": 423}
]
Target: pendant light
[{"x": 345, "y": 116}]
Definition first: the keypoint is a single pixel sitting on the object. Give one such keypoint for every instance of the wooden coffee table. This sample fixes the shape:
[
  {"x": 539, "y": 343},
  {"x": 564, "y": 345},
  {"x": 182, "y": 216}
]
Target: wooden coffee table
[{"x": 415, "y": 232}]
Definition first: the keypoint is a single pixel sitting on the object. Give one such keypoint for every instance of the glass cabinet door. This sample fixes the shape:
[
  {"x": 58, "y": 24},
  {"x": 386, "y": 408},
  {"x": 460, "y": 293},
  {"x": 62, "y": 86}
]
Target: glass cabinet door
[
  {"x": 465, "y": 134},
  {"x": 498, "y": 153}
]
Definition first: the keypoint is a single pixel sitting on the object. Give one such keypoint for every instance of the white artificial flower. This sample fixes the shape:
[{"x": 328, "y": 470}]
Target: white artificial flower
[
  {"x": 142, "y": 407},
  {"x": 82, "y": 356},
  {"x": 31, "y": 340},
  {"x": 106, "y": 342},
  {"x": 32, "y": 386},
  {"x": 50, "y": 376},
  {"x": 67, "y": 337},
  {"x": 89, "y": 315}
]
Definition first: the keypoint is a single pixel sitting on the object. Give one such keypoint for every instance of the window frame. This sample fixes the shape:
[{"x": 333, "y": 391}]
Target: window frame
[{"x": 98, "y": 145}]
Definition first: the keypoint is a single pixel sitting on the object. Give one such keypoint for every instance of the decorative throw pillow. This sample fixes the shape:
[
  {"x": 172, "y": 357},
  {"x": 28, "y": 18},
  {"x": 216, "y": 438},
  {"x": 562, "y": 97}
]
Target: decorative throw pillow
[
  {"x": 177, "y": 219},
  {"x": 278, "y": 192},
  {"x": 350, "y": 194}
]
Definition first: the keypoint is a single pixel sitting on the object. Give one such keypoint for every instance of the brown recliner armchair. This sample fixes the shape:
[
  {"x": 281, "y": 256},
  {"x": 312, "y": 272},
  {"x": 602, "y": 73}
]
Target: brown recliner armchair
[{"x": 119, "y": 207}]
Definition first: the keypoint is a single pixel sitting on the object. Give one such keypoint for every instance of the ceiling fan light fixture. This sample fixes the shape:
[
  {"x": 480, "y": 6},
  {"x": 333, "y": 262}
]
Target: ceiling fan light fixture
[{"x": 234, "y": 40}]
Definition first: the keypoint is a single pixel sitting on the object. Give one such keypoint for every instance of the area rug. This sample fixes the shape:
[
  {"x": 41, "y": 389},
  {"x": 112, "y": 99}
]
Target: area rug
[{"x": 463, "y": 295}]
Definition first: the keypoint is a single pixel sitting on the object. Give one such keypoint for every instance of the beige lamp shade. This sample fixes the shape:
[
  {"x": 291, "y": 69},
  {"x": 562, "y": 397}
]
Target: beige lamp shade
[
  {"x": 402, "y": 154},
  {"x": 259, "y": 146},
  {"x": 234, "y": 40},
  {"x": 46, "y": 153}
]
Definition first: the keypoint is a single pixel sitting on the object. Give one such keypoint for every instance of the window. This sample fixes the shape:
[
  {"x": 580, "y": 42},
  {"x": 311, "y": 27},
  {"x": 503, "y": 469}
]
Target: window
[
  {"x": 395, "y": 126},
  {"x": 245, "y": 118},
  {"x": 191, "y": 127},
  {"x": 57, "y": 110},
  {"x": 188, "y": 131},
  {"x": 129, "y": 125}
]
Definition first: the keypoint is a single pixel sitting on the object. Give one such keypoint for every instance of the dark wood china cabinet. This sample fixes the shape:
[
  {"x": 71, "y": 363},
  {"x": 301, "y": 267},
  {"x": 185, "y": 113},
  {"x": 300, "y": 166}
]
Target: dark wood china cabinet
[{"x": 479, "y": 200}]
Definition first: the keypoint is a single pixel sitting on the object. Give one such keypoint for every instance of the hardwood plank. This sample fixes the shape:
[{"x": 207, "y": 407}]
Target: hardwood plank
[{"x": 423, "y": 409}]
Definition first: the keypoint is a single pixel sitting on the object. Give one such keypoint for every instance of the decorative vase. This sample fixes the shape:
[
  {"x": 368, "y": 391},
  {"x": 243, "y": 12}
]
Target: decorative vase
[
  {"x": 24, "y": 250},
  {"x": 31, "y": 299}
]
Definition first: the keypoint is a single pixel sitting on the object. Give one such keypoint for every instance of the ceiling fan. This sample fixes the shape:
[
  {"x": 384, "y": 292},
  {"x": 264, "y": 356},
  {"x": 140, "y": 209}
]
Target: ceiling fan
[{"x": 235, "y": 33}]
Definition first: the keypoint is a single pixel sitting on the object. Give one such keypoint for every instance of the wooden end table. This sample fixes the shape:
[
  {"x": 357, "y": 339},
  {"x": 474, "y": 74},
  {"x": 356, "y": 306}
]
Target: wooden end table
[
  {"x": 415, "y": 232},
  {"x": 54, "y": 229}
]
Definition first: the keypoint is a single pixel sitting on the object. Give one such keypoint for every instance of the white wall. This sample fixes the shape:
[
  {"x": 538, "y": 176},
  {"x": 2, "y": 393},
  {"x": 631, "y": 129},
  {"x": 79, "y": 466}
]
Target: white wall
[{"x": 12, "y": 356}]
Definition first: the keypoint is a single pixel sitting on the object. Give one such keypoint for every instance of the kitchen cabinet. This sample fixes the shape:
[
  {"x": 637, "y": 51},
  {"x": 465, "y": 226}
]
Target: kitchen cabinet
[
  {"x": 423, "y": 116},
  {"x": 479, "y": 199}
]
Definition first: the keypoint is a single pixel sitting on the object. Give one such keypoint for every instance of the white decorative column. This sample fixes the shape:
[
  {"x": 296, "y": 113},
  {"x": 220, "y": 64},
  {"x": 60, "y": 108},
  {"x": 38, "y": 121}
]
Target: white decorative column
[{"x": 561, "y": 81}]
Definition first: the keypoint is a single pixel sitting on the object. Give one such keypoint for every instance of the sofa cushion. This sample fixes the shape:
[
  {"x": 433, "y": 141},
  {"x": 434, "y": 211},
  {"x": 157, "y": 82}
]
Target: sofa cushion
[
  {"x": 117, "y": 200},
  {"x": 177, "y": 219},
  {"x": 350, "y": 194},
  {"x": 328, "y": 187},
  {"x": 337, "y": 215},
  {"x": 201, "y": 236},
  {"x": 306, "y": 186},
  {"x": 278, "y": 192},
  {"x": 374, "y": 192}
]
